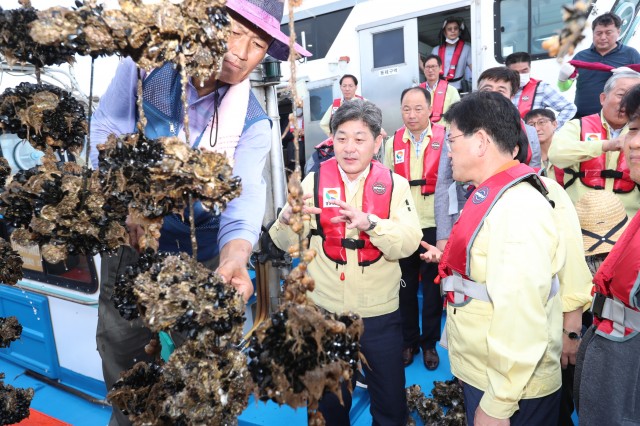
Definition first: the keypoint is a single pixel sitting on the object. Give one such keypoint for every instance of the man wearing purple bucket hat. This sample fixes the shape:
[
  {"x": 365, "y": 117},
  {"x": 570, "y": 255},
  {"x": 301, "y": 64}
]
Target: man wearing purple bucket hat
[{"x": 225, "y": 116}]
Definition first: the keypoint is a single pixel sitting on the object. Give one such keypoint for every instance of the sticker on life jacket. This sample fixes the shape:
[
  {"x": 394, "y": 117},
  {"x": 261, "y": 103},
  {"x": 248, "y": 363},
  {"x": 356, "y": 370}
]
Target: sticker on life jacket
[
  {"x": 379, "y": 188},
  {"x": 399, "y": 156},
  {"x": 435, "y": 145},
  {"x": 525, "y": 98},
  {"x": 592, "y": 136},
  {"x": 480, "y": 195},
  {"x": 329, "y": 195}
]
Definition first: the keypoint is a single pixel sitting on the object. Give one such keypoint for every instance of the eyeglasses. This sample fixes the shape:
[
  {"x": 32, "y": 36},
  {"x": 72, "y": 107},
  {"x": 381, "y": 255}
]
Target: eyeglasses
[
  {"x": 540, "y": 122},
  {"x": 347, "y": 86},
  {"x": 450, "y": 140},
  {"x": 431, "y": 67}
]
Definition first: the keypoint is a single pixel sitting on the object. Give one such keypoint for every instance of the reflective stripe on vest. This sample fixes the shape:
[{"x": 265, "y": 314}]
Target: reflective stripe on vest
[
  {"x": 454, "y": 59},
  {"x": 376, "y": 199},
  {"x": 430, "y": 159},
  {"x": 527, "y": 97},
  {"x": 462, "y": 288},
  {"x": 593, "y": 173},
  {"x": 457, "y": 252},
  {"x": 618, "y": 279}
]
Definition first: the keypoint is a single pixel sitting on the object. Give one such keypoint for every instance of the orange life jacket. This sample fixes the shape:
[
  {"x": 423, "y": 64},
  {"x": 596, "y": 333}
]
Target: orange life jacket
[
  {"x": 455, "y": 259},
  {"x": 338, "y": 101},
  {"x": 376, "y": 199},
  {"x": 430, "y": 159},
  {"x": 455, "y": 58},
  {"x": 437, "y": 99},
  {"x": 617, "y": 282},
  {"x": 593, "y": 173},
  {"x": 527, "y": 97}
]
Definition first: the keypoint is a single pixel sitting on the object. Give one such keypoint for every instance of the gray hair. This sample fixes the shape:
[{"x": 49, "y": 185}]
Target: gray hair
[
  {"x": 617, "y": 75},
  {"x": 358, "y": 110}
]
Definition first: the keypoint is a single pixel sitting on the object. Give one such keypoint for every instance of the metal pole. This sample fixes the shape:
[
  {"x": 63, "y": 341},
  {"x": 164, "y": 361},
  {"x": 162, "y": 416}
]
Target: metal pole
[{"x": 278, "y": 179}]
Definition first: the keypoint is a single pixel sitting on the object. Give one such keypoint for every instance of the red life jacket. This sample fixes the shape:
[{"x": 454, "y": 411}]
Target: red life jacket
[
  {"x": 593, "y": 173},
  {"x": 376, "y": 199},
  {"x": 430, "y": 159},
  {"x": 437, "y": 99},
  {"x": 529, "y": 152},
  {"x": 455, "y": 258},
  {"x": 454, "y": 59},
  {"x": 559, "y": 175},
  {"x": 617, "y": 279},
  {"x": 527, "y": 97},
  {"x": 338, "y": 101}
]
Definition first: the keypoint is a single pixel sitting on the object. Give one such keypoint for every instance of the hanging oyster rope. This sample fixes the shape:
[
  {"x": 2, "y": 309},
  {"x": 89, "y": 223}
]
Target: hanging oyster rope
[
  {"x": 10, "y": 264},
  {"x": 17, "y": 45},
  {"x": 193, "y": 388},
  {"x": 151, "y": 34},
  {"x": 45, "y": 115},
  {"x": 5, "y": 172},
  {"x": 575, "y": 19},
  {"x": 50, "y": 208},
  {"x": 14, "y": 402},
  {"x": 156, "y": 177}
]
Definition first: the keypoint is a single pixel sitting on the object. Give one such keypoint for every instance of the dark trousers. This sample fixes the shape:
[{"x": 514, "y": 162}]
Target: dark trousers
[
  {"x": 566, "y": 399},
  {"x": 414, "y": 271},
  {"x": 381, "y": 345},
  {"x": 531, "y": 412},
  {"x": 120, "y": 342}
]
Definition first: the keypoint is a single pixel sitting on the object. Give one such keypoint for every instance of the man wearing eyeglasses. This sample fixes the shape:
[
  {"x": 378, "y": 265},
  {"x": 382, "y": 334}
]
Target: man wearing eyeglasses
[
  {"x": 415, "y": 155},
  {"x": 545, "y": 123},
  {"x": 442, "y": 93},
  {"x": 504, "y": 314},
  {"x": 451, "y": 197}
]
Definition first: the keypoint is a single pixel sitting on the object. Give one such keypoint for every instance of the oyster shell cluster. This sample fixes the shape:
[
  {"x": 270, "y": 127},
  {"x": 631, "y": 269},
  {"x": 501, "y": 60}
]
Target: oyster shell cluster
[
  {"x": 447, "y": 394},
  {"x": 193, "y": 388},
  {"x": 205, "y": 380},
  {"x": 10, "y": 264},
  {"x": 61, "y": 208},
  {"x": 157, "y": 177},
  {"x": 45, "y": 115},
  {"x": 193, "y": 32},
  {"x": 575, "y": 19},
  {"x": 5, "y": 172},
  {"x": 14, "y": 402},
  {"x": 302, "y": 353},
  {"x": 17, "y": 45}
]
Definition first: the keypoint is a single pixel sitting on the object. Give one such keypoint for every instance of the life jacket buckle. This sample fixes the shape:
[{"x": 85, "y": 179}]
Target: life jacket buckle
[
  {"x": 352, "y": 243},
  {"x": 598, "y": 305}
]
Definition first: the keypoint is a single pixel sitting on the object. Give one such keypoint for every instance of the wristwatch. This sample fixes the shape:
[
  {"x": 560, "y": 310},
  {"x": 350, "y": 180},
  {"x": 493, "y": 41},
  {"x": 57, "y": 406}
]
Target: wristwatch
[
  {"x": 572, "y": 334},
  {"x": 373, "y": 221}
]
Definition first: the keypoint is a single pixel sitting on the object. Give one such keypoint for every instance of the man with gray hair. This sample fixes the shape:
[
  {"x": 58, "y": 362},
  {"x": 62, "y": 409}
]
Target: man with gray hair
[
  {"x": 363, "y": 221},
  {"x": 588, "y": 149}
]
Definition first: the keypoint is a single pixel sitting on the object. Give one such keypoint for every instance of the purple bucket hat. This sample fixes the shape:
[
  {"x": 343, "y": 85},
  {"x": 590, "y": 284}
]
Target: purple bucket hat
[{"x": 266, "y": 15}]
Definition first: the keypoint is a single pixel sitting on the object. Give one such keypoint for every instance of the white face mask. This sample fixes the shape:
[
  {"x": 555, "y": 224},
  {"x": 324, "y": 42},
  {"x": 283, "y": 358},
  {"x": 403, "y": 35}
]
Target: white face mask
[
  {"x": 298, "y": 112},
  {"x": 453, "y": 40},
  {"x": 524, "y": 79}
]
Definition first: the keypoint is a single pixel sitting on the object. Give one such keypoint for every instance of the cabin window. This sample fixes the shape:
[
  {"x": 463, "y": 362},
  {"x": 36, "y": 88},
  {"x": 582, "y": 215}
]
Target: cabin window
[
  {"x": 388, "y": 48},
  {"x": 522, "y": 26},
  {"x": 319, "y": 32},
  {"x": 320, "y": 100}
]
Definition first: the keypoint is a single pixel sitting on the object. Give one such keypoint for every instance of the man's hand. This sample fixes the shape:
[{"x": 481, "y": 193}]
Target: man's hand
[
  {"x": 612, "y": 145},
  {"x": 353, "y": 217},
  {"x": 432, "y": 255},
  {"x": 566, "y": 71},
  {"x": 135, "y": 233},
  {"x": 285, "y": 216},
  {"x": 571, "y": 321},
  {"x": 483, "y": 419},
  {"x": 441, "y": 244},
  {"x": 234, "y": 257}
]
